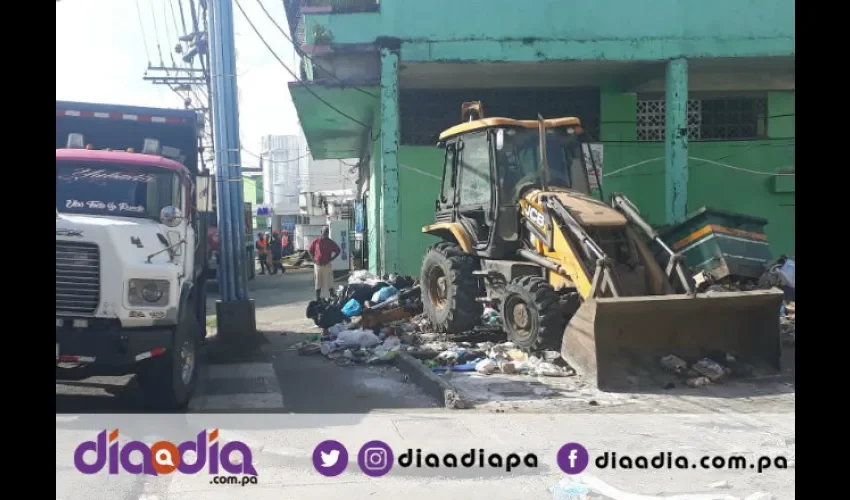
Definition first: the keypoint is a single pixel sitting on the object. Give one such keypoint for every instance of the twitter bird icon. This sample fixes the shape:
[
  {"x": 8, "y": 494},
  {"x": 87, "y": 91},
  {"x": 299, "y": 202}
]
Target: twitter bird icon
[{"x": 330, "y": 458}]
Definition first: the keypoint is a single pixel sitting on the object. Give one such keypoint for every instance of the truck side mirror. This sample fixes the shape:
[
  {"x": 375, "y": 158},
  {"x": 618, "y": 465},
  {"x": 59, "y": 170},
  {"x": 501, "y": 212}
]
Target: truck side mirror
[{"x": 203, "y": 193}]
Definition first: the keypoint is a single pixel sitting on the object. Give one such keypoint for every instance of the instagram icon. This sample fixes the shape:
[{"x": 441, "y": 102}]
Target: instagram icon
[{"x": 375, "y": 458}]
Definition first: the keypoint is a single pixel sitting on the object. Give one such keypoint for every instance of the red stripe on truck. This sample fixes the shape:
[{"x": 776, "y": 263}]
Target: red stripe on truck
[{"x": 119, "y": 116}]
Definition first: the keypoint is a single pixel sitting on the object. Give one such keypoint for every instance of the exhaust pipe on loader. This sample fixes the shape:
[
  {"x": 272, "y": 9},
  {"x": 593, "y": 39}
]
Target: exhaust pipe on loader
[{"x": 617, "y": 343}]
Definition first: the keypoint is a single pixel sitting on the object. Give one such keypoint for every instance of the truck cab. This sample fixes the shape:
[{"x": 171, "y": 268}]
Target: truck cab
[{"x": 130, "y": 265}]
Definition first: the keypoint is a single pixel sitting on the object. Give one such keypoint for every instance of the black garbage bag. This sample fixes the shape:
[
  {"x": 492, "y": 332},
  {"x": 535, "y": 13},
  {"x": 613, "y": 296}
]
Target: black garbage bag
[
  {"x": 402, "y": 282},
  {"x": 314, "y": 308},
  {"x": 331, "y": 316},
  {"x": 360, "y": 292}
]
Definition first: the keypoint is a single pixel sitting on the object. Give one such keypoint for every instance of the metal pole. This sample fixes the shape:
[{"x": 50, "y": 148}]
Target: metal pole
[
  {"x": 227, "y": 152},
  {"x": 225, "y": 282},
  {"x": 224, "y": 19}
]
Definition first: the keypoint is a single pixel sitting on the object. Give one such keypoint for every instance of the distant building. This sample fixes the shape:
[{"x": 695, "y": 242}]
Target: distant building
[{"x": 283, "y": 157}]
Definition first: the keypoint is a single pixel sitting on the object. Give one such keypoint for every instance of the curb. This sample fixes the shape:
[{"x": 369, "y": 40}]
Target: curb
[{"x": 433, "y": 385}]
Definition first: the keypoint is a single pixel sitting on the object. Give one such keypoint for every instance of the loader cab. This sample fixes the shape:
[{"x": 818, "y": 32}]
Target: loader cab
[{"x": 489, "y": 164}]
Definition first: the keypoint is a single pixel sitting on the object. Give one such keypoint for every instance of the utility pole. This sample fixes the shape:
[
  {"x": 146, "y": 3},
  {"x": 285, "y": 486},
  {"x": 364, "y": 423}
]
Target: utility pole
[{"x": 235, "y": 311}]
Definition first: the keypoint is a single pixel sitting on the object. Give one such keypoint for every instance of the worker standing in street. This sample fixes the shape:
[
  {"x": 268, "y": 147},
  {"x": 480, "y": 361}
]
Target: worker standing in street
[
  {"x": 262, "y": 246},
  {"x": 275, "y": 249},
  {"x": 323, "y": 250}
]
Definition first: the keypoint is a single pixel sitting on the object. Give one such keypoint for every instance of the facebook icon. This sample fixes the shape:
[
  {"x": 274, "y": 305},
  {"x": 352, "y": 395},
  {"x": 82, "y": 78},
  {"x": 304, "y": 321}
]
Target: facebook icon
[{"x": 573, "y": 458}]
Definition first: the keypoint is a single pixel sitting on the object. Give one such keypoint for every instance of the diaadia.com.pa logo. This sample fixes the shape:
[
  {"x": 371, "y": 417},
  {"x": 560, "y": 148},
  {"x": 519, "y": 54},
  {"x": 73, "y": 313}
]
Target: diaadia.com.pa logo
[{"x": 164, "y": 457}]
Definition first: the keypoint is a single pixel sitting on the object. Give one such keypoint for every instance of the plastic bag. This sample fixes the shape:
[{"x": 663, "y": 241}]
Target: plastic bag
[
  {"x": 788, "y": 270},
  {"x": 363, "y": 276},
  {"x": 358, "y": 339},
  {"x": 351, "y": 308},
  {"x": 384, "y": 294}
]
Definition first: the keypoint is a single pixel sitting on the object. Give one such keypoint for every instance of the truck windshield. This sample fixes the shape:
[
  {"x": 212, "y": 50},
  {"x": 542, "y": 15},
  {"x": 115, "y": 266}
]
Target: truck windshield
[
  {"x": 114, "y": 189},
  {"x": 520, "y": 165}
]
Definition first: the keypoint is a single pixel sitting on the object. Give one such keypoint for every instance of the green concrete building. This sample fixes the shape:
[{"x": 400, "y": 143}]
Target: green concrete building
[{"x": 691, "y": 103}]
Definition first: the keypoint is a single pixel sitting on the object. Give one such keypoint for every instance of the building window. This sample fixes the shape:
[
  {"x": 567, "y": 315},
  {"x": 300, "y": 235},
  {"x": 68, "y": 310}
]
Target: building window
[
  {"x": 425, "y": 113},
  {"x": 709, "y": 119}
]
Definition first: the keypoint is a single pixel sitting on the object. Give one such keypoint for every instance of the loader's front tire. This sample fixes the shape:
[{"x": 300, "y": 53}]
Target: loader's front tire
[
  {"x": 449, "y": 288},
  {"x": 532, "y": 315}
]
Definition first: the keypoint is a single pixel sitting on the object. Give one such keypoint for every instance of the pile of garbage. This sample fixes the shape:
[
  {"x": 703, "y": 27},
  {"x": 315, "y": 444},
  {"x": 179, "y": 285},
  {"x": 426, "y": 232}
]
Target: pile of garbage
[
  {"x": 361, "y": 323},
  {"x": 487, "y": 358},
  {"x": 706, "y": 371},
  {"x": 372, "y": 319}
]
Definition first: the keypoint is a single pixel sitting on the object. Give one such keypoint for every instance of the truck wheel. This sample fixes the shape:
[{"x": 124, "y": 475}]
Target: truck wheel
[
  {"x": 450, "y": 289},
  {"x": 169, "y": 380},
  {"x": 531, "y": 314}
]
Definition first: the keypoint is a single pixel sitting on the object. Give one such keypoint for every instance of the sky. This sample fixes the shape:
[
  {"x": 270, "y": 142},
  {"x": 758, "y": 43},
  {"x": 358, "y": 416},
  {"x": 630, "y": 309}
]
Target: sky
[{"x": 101, "y": 57}]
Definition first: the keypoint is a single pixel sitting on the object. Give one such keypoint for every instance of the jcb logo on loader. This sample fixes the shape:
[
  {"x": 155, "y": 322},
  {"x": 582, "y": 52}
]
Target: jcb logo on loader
[{"x": 534, "y": 216}]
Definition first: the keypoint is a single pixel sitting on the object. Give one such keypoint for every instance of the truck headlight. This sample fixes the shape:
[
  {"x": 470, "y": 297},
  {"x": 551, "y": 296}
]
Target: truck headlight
[{"x": 148, "y": 292}]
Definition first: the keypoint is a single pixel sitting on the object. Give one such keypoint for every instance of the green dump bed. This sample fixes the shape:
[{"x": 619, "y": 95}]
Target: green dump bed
[{"x": 724, "y": 244}]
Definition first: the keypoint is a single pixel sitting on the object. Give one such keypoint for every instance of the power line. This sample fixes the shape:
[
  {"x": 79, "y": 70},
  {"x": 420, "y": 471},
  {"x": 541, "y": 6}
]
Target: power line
[
  {"x": 307, "y": 88},
  {"x": 703, "y": 160},
  {"x": 301, "y": 52},
  {"x": 173, "y": 18},
  {"x": 182, "y": 17},
  {"x": 156, "y": 34},
  {"x": 142, "y": 30}
]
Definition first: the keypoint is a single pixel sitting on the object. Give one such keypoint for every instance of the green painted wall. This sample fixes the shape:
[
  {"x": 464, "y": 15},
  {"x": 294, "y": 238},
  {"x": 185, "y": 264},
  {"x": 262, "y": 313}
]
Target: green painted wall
[
  {"x": 420, "y": 171},
  {"x": 475, "y": 30},
  {"x": 749, "y": 190}
]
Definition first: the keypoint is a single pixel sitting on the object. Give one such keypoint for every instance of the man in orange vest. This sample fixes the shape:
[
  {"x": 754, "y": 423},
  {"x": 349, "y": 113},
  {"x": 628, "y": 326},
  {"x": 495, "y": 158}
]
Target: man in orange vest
[{"x": 262, "y": 246}]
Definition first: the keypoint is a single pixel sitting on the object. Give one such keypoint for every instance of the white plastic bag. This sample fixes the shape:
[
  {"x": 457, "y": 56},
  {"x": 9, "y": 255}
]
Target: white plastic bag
[{"x": 358, "y": 339}]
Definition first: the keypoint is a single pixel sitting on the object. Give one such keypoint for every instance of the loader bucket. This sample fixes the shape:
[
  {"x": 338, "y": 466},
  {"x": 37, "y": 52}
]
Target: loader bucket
[{"x": 617, "y": 343}]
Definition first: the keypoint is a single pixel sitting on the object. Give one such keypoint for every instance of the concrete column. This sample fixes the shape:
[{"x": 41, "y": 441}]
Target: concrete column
[
  {"x": 676, "y": 143},
  {"x": 389, "y": 139},
  {"x": 373, "y": 211}
]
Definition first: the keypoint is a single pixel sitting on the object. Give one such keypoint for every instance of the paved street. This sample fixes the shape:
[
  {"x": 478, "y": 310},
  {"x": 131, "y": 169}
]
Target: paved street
[{"x": 267, "y": 379}]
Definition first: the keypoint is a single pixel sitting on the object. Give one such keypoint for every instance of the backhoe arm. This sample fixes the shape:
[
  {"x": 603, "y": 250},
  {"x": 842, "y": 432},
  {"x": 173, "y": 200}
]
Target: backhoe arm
[
  {"x": 603, "y": 279},
  {"x": 675, "y": 264}
]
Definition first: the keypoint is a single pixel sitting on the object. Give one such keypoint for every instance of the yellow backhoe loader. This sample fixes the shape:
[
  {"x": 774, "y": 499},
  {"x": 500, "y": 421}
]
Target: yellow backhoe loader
[{"x": 519, "y": 228}]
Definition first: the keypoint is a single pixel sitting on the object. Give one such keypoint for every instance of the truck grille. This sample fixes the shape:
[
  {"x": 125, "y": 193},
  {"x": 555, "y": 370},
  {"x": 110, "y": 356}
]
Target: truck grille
[{"x": 77, "y": 277}]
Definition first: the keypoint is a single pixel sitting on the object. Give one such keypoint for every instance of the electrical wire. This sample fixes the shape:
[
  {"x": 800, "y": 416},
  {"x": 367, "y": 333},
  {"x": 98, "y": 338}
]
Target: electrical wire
[
  {"x": 301, "y": 52},
  {"x": 182, "y": 16},
  {"x": 173, "y": 18},
  {"x": 703, "y": 160},
  {"x": 156, "y": 34},
  {"x": 307, "y": 88},
  {"x": 142, "y": 30}
]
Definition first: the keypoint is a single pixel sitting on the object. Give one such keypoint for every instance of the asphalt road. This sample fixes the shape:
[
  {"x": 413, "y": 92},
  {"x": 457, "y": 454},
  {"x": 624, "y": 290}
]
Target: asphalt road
[
  {"x": 270, "y": 379},
  {"x": 78, "y": 391}
]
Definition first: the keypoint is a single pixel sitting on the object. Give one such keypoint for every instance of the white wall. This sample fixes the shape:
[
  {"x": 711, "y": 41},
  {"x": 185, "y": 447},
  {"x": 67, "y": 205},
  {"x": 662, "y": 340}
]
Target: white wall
[
  {"x": 283, "y": 158},
  {"x": 328, "y": 175}
]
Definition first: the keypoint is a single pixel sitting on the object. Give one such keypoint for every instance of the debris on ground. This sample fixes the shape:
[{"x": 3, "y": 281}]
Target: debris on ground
[
  {"x": 787, "y": 328},
  {"x": 370, "y": 319}
]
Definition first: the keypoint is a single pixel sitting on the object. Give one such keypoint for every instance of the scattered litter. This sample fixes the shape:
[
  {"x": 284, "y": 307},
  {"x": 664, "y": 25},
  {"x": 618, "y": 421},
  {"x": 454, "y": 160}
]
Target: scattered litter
[
  {"x": 674, "y": 364},
  {"x": 551, "y": 370},
  {"x": 698, "y": 382},
  {"x": 719, "y": 484},
  {"x": 486, "y": 366},
  {"x": 491, "y": 316},
  {"x": 711, "y": 369}
]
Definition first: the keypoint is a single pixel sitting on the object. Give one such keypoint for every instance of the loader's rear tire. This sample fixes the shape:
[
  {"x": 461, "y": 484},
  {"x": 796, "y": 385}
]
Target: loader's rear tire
[
  {"x": 450, "y": 289},
  {"x": 532, "y": 315}
]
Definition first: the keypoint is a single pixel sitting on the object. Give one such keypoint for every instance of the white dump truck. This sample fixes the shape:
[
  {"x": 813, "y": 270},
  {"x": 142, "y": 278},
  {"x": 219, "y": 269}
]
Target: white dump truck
[{"x": 131, "y": 256}]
